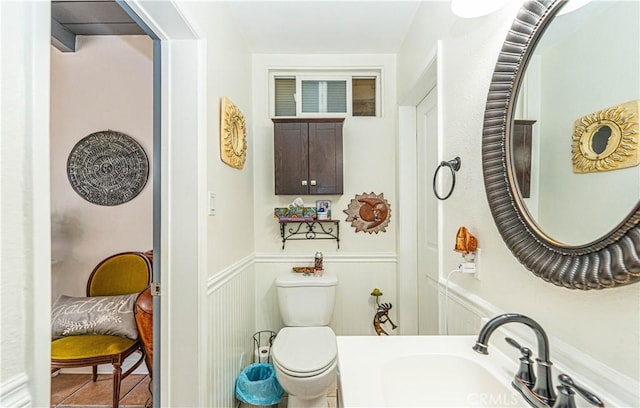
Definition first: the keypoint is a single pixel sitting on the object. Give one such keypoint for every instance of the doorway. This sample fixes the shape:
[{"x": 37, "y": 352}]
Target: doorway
[
  {"x": 429, "y": 224},
  {"x": 106, "y": 84},
  {"x": 179, "y": 189},
  {"x": 183, "y": 188}
]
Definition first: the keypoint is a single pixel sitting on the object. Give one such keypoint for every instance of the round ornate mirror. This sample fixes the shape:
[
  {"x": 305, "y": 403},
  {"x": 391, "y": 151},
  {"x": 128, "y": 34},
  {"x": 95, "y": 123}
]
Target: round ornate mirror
[{"x": 561, "y": 173}]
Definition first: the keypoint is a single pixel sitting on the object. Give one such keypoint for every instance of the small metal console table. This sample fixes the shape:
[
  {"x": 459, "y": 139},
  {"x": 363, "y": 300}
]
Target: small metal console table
[{"x": 315, "y": 229}]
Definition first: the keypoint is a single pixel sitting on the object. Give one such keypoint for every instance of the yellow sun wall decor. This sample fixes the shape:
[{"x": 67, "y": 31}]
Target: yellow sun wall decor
[
  {"x": 233, "y": 134},
  {"x": 606, "y": 140}
]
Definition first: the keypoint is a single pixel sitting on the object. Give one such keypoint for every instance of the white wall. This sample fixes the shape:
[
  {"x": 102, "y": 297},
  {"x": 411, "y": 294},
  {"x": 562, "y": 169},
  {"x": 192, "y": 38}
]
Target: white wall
[
  {"x": 106, "y": 84},
  {"x": 228, "y": 315},
  {"x": 364, "y": 261},
  {"x": 24, "y": 163},
  {"x": 603, "y": 324},
  {"x": 572, "y": 88}
]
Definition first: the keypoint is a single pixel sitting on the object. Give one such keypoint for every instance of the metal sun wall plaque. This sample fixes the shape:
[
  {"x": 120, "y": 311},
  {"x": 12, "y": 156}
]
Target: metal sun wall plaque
[
  {"x": 369, "y": 213},
  {"x": 108, "y": 168}
]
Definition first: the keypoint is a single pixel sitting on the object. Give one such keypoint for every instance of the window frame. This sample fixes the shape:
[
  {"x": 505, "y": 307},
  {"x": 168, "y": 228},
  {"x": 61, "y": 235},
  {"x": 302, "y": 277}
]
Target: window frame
[{"x": 325, "y": 75}]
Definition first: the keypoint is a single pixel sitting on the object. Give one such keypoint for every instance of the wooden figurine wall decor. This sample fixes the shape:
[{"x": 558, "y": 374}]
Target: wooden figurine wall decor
[
  {"x": 108, "y": 168},
  {"x": 233, "y": 134},
  {"x": 607, "y": 139},
  {"x": 369, "y": 213}
]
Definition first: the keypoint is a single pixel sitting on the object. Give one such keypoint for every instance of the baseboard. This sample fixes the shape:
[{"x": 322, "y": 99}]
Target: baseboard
[
  {"x": 15, "y": 392},
  {"x": 617, "y": 388}
]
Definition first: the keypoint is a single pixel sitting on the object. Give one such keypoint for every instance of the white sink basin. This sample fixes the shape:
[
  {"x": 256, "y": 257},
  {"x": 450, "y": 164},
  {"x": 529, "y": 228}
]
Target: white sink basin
[
  {"x": 442, "y": 381},
  {"x": 423, "y": 371}
]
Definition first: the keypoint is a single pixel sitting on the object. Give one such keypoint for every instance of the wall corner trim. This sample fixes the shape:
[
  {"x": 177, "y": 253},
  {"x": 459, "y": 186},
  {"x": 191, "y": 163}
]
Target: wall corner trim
[
  {"x": 342, "y": 257},
  {"x": 221, "y": 278},
  {"x": 15, "y": 392}
]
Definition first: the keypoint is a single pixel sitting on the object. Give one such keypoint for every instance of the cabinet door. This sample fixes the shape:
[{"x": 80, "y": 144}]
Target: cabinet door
[
  {"x": 291, "y": 154},
  {"x": 522, "y": 134},
  {"x": 325, "y": 157}
]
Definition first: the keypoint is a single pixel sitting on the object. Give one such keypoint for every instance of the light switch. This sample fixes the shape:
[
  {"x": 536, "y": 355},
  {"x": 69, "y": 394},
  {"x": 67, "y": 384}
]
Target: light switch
[{"x": 212, "y": 203}]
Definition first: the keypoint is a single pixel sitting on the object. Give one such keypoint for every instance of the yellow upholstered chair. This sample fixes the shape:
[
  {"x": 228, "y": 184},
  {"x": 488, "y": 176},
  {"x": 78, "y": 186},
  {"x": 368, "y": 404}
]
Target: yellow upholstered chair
[{"x": 121, "y": 274}]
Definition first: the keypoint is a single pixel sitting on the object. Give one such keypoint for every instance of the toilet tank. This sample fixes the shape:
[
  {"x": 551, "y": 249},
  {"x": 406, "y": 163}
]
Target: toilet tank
[{"x": 305, "y": 299}]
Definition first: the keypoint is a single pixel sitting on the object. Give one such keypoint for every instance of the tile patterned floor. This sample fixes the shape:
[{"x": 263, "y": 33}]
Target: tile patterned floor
[{"x": 77, "y": 390}]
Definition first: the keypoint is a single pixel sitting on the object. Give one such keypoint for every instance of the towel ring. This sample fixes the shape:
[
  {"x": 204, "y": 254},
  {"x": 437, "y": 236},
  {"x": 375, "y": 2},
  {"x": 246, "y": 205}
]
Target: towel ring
[{"x": 453, "y": 165}]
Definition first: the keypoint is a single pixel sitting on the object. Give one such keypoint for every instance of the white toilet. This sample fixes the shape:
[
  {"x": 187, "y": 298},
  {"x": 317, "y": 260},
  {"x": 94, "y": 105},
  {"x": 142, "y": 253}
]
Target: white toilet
[{"x": 304, "y": 353}]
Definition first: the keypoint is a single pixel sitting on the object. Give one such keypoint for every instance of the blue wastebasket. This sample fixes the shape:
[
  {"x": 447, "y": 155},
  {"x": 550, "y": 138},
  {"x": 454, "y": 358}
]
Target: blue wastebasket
[{"x": 257, "y": 385}]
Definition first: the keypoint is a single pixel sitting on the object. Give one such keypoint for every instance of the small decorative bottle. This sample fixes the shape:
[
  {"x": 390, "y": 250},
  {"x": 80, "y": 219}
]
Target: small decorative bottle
[{"x": 317, "y": 265}]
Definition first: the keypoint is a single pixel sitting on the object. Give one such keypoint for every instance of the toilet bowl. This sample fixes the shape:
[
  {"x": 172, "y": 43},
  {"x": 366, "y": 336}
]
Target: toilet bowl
[{"x": 305, "y": 361}]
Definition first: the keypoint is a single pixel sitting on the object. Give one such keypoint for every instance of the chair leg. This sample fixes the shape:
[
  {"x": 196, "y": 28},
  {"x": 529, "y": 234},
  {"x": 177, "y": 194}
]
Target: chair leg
[
  {"x": 149, "y": 402},
  {"x": 94, "y": 373},
  {"x": 117, "y": 376}
]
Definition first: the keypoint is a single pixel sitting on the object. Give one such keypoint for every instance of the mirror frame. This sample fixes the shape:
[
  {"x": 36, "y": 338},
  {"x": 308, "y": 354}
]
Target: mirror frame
[{"x": 607, "y": 262}]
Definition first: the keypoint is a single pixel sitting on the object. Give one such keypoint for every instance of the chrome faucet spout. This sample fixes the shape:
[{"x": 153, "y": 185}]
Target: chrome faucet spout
[{"x": 542, "y": 394}]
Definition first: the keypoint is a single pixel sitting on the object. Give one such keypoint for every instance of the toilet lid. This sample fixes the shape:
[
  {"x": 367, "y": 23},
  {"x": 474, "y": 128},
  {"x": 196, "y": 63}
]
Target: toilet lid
[{"x": 305, "y": 349}]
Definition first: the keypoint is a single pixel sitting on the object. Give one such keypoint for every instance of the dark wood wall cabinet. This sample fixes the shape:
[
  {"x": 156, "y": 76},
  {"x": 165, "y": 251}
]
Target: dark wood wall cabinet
[
  {"x": 521, "y": 145},
  {"x": 308, "y": 156}
]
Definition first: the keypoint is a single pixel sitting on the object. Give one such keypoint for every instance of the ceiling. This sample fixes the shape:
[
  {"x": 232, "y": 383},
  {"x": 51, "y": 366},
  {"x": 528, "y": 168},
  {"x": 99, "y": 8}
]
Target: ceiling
[
  {"x": 88, "y": 17},
  {"x": 323, "y": 27},
  {"x": 267, "y": 26}
]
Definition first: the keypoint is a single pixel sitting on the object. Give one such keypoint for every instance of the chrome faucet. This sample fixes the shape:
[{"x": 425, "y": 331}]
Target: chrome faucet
[{"x": 541, "y": 393}]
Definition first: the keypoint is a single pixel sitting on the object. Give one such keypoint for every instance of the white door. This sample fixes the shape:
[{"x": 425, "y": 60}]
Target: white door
[{"x": 428, "y": 214}]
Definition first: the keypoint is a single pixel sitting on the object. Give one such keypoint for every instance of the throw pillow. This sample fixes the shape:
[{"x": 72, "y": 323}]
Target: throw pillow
[{"x": 112, "y": 315}]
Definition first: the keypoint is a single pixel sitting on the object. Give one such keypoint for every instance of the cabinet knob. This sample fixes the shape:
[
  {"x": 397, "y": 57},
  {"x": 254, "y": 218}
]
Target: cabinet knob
[
  {"x": 313, "y": 182},
  {"x": 304, "y": 182}
]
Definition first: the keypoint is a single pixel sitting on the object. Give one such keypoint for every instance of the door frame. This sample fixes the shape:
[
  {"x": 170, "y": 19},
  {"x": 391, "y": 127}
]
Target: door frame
[
  {"x": 428, "y": 151},
  {"x": 407, "y": 184},
  {"x": 180, "y": 246}
]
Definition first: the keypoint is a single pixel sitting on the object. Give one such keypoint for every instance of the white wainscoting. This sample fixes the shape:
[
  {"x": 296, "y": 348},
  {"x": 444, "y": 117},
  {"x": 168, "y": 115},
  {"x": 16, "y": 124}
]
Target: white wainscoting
[
  {"x": 467, "y": 313},
  {"x": 358, "y": 274},
  {"x": 231, "y": 325},
  {"x": 15, "y": 392}
]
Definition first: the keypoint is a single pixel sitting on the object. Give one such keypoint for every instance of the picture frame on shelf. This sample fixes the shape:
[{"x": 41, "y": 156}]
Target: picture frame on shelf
[{"x": 323, "y": 209}]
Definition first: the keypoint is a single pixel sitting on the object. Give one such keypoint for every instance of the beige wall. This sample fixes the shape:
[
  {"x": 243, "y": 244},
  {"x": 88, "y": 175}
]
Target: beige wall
[
  {"x": 106, "y": 84},
  {"x": 602, "y": 324}
]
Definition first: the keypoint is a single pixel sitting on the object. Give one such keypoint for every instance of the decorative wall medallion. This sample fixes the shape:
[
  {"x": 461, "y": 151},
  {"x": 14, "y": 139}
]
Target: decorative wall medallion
[
  {"x": 108, "y": 168},
  {"x": 607, "y": 139},
  {"x": 369, "y": 213},
  {"x": 233, "y": 134}
]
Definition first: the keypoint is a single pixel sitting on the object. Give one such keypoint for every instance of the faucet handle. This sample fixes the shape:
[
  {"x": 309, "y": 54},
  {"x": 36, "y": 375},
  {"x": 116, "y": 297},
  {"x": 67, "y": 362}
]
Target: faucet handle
[
  {"x": 586, "y": 394},
  {"x": 566, "y": 392},
  {"x": 525, "y": 372},
  {"x": 525, "y": 351}
]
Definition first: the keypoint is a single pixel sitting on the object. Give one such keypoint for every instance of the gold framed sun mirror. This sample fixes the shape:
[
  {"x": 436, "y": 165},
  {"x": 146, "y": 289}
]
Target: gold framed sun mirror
[
  {"x": 233, "y": 134},
  {"x": 606, "y": 140}
]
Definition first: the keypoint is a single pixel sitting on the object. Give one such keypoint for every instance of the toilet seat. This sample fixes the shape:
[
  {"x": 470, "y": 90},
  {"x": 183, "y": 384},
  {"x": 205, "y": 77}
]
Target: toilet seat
[
  {"x": 305, "y": 375},
  {"x": 304, "y": 351}
]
